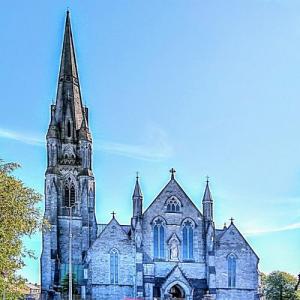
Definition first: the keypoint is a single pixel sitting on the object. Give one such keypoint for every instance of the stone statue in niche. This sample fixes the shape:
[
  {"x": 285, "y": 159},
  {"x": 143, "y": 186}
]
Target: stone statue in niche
[
  {"x": 174, "y": 249},
  {"x": 138, "y": 235},
  {"x": 138, "y": 239}
]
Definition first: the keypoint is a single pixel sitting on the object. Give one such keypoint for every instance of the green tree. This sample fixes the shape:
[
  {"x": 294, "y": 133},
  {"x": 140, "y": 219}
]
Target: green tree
[
  {"x": 281, "y": 286},
  {"x": 19, "y": 217}
]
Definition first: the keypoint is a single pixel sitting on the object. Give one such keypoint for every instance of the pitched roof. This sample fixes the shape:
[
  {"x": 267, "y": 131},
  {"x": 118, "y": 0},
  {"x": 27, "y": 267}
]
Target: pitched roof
[
  {"x": 172, "y": 184},
  {"x": 219, "y": 233},
  {"x": 232, "y": 226},
  {"x": 104, "y": 227}
]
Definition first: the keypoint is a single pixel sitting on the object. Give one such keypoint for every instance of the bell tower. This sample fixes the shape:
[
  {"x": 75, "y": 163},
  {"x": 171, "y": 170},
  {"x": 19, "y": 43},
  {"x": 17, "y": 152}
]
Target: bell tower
[{"x": 69, "y": 180}]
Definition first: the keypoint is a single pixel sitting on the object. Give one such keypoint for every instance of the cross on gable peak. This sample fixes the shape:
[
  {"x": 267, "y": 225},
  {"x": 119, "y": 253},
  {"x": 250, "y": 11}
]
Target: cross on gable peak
[{"x": 172, "y": 171}]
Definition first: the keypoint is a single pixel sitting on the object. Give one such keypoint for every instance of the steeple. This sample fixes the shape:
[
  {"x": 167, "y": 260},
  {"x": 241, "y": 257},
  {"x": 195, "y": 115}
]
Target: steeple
[
  {"x": 137, "y": 199},
  {"x": 69, "y": 111},
  {"x": 68, "y": 177},
  {"x": 207, "y": 203}
]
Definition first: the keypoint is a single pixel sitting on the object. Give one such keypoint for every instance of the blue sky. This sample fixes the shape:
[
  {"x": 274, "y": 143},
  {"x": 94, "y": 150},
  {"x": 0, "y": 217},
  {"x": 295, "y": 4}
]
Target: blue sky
[{"x": 207, "y": 87}]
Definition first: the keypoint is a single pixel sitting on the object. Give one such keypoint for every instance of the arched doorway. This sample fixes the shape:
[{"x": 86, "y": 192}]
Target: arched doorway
[{"x": 177, "y": 292}]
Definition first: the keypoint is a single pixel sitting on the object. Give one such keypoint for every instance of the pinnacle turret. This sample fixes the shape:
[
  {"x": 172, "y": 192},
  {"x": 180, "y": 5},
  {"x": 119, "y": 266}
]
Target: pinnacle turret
[
  {"x": 207, "y": 194},
  {"x": 137, "y": 189},
  {"x": 207, "y": 203},
  {"x": 53, "y": 129},
  {"x": 84, "y": 132},
  {"x": 137, "y": 199}
]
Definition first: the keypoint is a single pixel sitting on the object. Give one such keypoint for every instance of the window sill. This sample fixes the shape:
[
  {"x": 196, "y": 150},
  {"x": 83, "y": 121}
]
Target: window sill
[
  {"x": 159, "y": 259},
  {"x": 190, "y": 260}
]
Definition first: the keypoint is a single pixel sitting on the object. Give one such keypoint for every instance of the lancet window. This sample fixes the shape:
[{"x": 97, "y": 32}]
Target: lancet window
[
  {"x": 231, "y": 270},
  {"x": 159, "y": 239},
  {"x": 70, "y": 194},
  {"x": 188, "y": 240},
  {"x": 114, "y": 265}
]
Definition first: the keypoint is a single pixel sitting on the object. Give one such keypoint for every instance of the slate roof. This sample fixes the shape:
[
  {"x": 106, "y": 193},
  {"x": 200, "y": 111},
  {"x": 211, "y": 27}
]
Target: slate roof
[
  {"x": 126, "y": 228},
  {"x": 101, "y": 227},
  {"x": 219, "y": 233}
]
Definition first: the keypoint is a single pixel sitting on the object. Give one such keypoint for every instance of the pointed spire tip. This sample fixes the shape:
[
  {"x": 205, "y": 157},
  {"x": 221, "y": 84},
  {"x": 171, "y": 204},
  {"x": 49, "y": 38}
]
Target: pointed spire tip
[
  {"x": 137, "y": 189},
  {"x": 68, "y": 16},
  {"x": 207, "y": 194}
]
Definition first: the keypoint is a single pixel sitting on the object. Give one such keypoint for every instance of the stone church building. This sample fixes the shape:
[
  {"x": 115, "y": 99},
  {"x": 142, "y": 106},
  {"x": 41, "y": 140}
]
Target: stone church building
[{"x": 169, "y": 250}]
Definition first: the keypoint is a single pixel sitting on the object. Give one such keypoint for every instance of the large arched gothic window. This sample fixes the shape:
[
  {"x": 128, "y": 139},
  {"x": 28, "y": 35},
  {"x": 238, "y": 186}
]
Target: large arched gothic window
[
  {"x": 188, "y": 240},
  {"x": 159, "y": 239},
  {"x": 70, "y": 194},
  {"x": 114, "y": 265},
  {"x": 231, "y": 270}
]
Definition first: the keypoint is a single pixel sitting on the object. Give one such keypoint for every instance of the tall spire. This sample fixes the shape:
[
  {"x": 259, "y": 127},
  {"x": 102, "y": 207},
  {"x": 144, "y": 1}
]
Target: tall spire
[
  {"x": 68, "y": 62},
  {"x": 69, "y": 108}
]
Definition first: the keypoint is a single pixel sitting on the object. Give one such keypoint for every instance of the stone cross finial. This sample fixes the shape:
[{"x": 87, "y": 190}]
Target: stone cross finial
[
  {"x": 231, "y": 220},
  {"x": 113, "y": 214},
  {"x": 172, "y": 171}
]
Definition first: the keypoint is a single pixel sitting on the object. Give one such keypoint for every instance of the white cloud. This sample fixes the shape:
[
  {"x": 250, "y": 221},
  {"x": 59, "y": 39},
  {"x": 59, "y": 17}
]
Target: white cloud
[
  {"x": 155, "y": 148},
  {"x": 20, "y": 137},
  {"x": 261, "y": 231}
]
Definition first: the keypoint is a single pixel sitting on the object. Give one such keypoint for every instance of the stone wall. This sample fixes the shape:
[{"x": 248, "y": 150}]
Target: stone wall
[
  {"x": 246, "y": 267},
  {"x": 98, "y": 259}
]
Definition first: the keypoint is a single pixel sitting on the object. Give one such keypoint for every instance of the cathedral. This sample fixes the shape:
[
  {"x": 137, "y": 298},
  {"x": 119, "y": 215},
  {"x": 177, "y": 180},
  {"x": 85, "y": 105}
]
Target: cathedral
[{"x": 169, "y": 250}]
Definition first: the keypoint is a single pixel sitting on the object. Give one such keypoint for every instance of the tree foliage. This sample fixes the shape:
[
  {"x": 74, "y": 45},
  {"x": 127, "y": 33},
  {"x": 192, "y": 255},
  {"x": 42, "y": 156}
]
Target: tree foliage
[
  {"x": 19, "y": 217},
  {"x": 280, "y": 286}
]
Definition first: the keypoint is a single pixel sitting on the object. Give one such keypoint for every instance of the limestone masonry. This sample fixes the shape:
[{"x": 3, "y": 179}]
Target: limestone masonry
[{"x": 170, "y": 250}]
